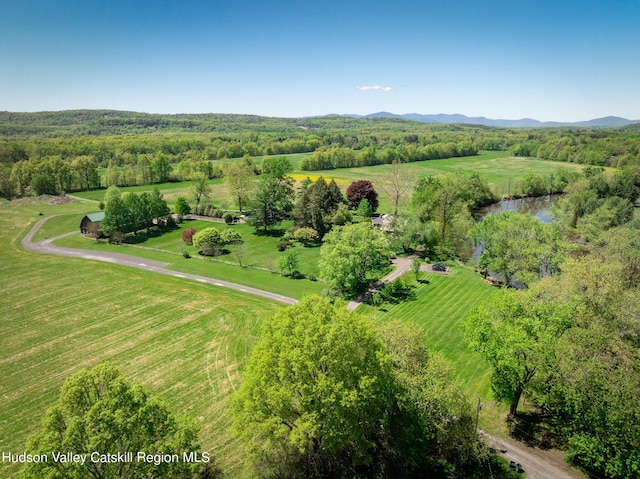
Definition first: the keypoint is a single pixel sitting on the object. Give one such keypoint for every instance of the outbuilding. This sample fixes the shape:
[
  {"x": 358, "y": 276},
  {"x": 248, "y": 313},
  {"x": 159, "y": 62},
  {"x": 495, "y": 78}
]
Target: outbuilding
[{"x": 90, "y": 224}]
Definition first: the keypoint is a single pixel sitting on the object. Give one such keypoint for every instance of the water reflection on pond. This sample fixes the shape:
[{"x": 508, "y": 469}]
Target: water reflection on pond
[{"x": 539, "y": 207}]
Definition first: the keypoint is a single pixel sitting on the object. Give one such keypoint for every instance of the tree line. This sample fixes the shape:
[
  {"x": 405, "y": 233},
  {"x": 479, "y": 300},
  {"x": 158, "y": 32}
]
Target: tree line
[{"x": 335, "y": 157}]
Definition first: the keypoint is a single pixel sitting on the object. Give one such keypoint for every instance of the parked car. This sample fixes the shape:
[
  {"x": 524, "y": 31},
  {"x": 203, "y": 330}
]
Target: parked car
[{"x": 438, "y": 267}]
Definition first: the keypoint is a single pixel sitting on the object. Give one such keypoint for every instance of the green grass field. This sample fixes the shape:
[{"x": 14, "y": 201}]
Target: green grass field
[
  {"x": 441, "y": 305},
  {"x": 183, "y": 340},
  {"x": 260, "y": 252}
]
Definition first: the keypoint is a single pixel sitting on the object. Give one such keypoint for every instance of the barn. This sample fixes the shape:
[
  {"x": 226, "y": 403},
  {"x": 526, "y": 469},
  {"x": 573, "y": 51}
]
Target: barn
[{"x": 90, "y": 224}]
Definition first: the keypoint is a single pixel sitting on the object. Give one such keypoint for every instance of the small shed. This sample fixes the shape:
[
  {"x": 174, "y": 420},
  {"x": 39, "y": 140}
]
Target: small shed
[{"x": 90, "y": 224}]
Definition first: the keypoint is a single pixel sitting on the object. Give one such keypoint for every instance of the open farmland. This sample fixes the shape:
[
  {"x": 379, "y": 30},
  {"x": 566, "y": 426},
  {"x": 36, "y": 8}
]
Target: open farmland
[
  {"x": 502, "y": 171},
  {"x": 183, "y": 340}
]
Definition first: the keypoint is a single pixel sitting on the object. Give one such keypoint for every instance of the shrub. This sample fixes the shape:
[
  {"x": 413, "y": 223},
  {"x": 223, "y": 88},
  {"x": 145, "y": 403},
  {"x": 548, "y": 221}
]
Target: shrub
[
  {"x": 306, "y": 236},
  {"x": 208, "y": 241},
  {"x": 342, "y": 216},
  {"x": 117, "y": 237},
  {"x": 228, "y": 218},
  {"x": 187, "y": 235},
  {"x": 283, "y": 245},
  {"x": 182, "y": 206},
  {"x": 231, "y": 236}
]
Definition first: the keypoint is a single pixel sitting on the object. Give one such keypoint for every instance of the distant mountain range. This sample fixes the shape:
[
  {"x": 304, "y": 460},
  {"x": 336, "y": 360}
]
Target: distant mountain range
[{"x": 606, "y": 122}]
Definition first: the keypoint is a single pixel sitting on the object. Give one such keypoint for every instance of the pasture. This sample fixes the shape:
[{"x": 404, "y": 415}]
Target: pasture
[{"x": 183, "y": 340}]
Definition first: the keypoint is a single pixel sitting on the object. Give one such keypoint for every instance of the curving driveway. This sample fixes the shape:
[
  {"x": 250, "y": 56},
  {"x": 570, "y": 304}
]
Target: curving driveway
[{"x": 46, "y": 246}]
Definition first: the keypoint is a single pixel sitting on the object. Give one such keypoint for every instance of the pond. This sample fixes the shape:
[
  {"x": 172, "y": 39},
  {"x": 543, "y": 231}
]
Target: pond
[{"x": 539, "y": 207}]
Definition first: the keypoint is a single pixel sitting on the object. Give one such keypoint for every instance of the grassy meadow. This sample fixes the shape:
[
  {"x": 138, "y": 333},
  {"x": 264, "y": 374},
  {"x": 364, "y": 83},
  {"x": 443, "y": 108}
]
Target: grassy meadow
[
  {"x": 440, "y": 306},
  {"x": 259, "y": 252},
  {"x": 183, "y": 340}
]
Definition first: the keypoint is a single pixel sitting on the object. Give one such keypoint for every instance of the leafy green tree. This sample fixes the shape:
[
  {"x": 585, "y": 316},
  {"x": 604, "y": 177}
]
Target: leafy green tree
[
  {"x": 342, "y": 215},
  {"x": 517, "y": 245},
  {"x": 182, "y": 206},
  {"x": 86, "y": 172},
  {"x": 112, "y": 175},
  {"x": 364, "y": 208},
  {"x": 99, "y": 411},
  {"x": 314, "y": 393},
  {"x": 160, "y": 168},
  {"x": 431, "y": 419},
  {"x": 276, "y": 167},
  {"x": 288, "y": 261},
  {"x": 614, "y": 211},
  {"x": 200, "y": 187},
  {"x": 274, "y": 193},
  {"x": 353, "y": 255},
  {"x": 316, "y": 206},
  {"x": 112, "y": 192},
  {"x": 137, "y": 211},
  {"x": 415, "y": 267},
  {"x": 158, "y": 208},
  {"x": 516, "y": 332},
  {"x": 117, "y": 217},
  {"x": 327, "y": 395},
  {"x": 239, "y": 180},
  {"x": 443, "y": 206}
]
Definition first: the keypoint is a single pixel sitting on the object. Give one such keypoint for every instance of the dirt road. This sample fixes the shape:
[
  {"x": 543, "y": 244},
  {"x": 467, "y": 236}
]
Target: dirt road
[{"x": 536, "y": 463}]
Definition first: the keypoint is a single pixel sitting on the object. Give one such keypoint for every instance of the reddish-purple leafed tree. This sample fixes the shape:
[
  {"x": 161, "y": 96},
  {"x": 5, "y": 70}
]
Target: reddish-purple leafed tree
[{"x": 358, "y": 190}]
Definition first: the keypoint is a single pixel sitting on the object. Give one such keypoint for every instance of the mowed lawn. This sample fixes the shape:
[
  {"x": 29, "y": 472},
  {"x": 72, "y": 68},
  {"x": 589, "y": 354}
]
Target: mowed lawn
[
  {"x": 185, "y": 341},
  {"x": 439, "y": 309},
  {"x": 260, "y": 251}
]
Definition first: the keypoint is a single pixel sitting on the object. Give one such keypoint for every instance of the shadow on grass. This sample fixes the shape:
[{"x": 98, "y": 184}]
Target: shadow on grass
[
  {"x": 272, "y": 233},
  {"x": 142, "y": 236}
]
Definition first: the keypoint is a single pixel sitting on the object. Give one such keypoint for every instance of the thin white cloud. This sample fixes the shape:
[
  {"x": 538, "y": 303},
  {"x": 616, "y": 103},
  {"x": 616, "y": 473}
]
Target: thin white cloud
[{"x": 374, "y": 88}]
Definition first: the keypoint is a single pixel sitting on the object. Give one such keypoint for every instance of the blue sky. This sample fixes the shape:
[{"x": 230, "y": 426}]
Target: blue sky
[{"x": 549, "y": 60}]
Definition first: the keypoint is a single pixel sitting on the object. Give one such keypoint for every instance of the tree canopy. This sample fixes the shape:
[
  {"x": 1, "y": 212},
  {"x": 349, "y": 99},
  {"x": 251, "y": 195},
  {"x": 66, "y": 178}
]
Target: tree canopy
[
  {"x": 326, "y": 394},
  {"x": 352, "y": 255},
  {"x": 99, "y": 411}
]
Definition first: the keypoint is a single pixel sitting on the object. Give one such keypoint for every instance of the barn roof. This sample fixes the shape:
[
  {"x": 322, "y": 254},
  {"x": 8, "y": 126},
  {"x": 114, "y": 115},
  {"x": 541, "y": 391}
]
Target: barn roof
[{"x": 96, "y": 217}]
